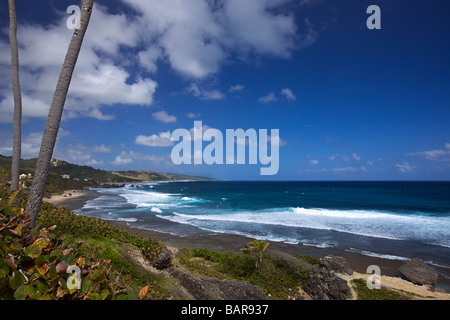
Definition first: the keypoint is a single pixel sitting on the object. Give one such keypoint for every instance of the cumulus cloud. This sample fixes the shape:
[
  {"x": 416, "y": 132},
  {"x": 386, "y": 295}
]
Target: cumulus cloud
[
  {"x": 405, "y": 167},
  {"x": 236, "y": 88},
  {"x": 204, "y": 94},
  {"x": 288, "y": 94},
  {"x": 163, "y": 139},
  {"x": 196, "y": 37},
  {"x": 270, "y": 97},
  {"x": 164, "y": 117},
  {"x": 435, "y": 155},
  {"x": 125, "y": 158},
  {"x": 100, "y": 78},
  {"x": 192, "y": 115}
]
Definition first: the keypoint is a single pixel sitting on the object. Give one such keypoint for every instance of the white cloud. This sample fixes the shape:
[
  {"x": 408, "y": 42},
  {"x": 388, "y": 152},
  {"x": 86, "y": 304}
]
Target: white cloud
[
  {"x": 313, "y": 162},
  {"x": 204, "y": 94},
  {"x": 122, "y": 159},
  {"x": 196, "y": 37},
  {"x": 163, "y": 139},
  {"x": 405, "y": 167},
  {"x": 100, "y": 78},
  {"x": 236, "y": 88},
  {"x": 289, "y": 94},
  {"x": 345, "y": 169},
  {"x": 268, "y": 98},
  {"x": 435, "y": 155},
  {"x": 164, "y": 117},
  {"x": 126, "y": 158},
  {"x": 356, "y": 157},
  {"x": 192, "y": 115}
]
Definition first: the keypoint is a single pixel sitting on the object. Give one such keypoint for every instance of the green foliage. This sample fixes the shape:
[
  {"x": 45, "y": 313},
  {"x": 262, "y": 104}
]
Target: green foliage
[
  {"x": 71, "y": 223},
  {"x": 34, "y": 262},
  {"x": 364, "y": 293},
  {"x": 256, "y": 245},
  {"x": 308, "y": 259}
]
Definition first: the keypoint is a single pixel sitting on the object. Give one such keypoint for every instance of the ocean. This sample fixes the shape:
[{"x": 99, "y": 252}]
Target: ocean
[{"x": 393, "y": 220}]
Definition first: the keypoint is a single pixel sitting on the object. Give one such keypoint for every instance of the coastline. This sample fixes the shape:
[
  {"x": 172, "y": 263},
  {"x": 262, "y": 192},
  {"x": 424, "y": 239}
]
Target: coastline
[{"x": 229, "y": 242}]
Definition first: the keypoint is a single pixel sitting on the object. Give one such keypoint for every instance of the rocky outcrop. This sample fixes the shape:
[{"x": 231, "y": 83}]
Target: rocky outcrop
[
  {"x": 323, "y": 284},
  {"x": 215, "y": 289},
  {"x": 335, "y": 264},
  {"x": 419, "y": 272},
  {"x": 164, "y": 260}
]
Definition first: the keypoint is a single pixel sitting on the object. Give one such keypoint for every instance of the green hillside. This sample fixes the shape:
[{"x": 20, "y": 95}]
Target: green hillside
[{"x": 81, "y": 177}]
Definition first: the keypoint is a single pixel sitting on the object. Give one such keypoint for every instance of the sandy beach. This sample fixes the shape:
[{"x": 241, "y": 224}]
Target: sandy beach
[{"x": 233, "y": 243}]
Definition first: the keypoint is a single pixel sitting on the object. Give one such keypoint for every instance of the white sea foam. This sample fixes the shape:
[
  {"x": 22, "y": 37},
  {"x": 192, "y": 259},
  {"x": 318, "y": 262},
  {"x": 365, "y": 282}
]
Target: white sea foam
[
  {"x": 155, "y": 209},
  {"x": 433, "y": 230}
]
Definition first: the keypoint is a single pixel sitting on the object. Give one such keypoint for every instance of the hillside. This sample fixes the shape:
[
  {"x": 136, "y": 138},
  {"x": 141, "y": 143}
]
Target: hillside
[{"x": 84, "y": 176}]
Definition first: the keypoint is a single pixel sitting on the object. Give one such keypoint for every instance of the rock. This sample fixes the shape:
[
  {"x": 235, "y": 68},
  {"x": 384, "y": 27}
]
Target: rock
[
  {"x": 287, "y": 258},
  {"x": 419, "y": 272},
  {"x": 335, "y": 264},
  {"x": 164, "y": 260},
  {"x": 215, "y": 289},
  {"x": 323, "y": 284},
  {"x": 61, "y": 268}
]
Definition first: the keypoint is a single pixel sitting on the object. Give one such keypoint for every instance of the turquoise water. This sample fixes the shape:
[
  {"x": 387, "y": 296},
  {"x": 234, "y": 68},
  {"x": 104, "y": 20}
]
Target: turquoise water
[{"x": 396, "y": 220}]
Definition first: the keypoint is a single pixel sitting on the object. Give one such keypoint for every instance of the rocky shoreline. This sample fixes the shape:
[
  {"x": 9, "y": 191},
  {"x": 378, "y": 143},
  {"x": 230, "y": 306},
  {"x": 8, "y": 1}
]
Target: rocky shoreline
[
  {"x": 325, "y": 282},
  {"x": 330, "y": 280}
]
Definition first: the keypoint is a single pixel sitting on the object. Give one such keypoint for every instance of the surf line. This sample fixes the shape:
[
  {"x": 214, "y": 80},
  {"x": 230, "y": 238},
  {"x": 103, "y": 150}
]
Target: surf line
[{"x": 213, "y": 153}]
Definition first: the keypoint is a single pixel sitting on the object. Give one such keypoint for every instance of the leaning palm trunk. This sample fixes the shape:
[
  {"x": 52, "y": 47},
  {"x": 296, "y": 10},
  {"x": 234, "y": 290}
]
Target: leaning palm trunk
[
  {"x": 55, "y": 114},
  {"x": 17, "y": 122}
]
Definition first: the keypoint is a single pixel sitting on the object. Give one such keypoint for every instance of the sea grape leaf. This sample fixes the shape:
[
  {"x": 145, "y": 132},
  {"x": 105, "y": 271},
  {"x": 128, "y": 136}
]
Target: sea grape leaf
[
  {"x": 42, "y": 269},
  {"x": 21, "y": 293},
  {"x": 85, "y": 285},
  {"x": 33, "y": 251},
  {"x": 16, "y": 280},
  {"x": 42, "y": 259}
]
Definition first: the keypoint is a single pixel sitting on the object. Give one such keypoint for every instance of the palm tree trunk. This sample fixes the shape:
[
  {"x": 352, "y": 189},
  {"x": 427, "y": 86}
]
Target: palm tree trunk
[
  {"x": 55, "y": 114},
  {"x": 17, "y": 122}
]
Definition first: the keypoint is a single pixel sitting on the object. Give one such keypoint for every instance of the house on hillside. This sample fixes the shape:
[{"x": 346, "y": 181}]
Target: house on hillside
[
  {"x": 65, "y": 176},
  {"x": 24, "y": 176}
]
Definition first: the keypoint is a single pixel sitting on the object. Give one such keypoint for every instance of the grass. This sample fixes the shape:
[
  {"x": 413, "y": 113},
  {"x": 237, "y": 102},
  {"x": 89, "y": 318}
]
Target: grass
[{"x": 364, "y": 293}]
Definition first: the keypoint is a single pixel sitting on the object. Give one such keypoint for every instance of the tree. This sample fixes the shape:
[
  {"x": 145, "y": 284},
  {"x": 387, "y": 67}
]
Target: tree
[
  {"x": 55, "y": 114},
  {"x": 259, "y": 246},
  {"x": 17, "y": 122}
]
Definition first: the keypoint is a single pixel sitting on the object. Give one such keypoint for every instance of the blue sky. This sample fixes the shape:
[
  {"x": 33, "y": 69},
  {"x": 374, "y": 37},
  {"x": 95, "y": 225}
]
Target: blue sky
[{"x": 350, "y": 103}]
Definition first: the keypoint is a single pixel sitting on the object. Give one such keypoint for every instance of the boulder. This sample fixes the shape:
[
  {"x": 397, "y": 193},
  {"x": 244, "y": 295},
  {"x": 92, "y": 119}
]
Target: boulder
[
  {"x": 164, "y": 260},
  {"x": 322, "y": 284},
  {"x": 419, "y": 272},
  {"x": 215, "y": 289},
  {"x": 335, "y": 264}
]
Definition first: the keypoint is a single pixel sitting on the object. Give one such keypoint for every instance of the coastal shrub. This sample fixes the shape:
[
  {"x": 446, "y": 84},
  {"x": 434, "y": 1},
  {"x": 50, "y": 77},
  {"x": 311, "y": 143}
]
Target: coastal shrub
[
  {"x": 34, "y": 264},
  {"x": 71, "y": 223},
  {"x": 364, "y": 293},
  {"x": 308, "y": 259}
]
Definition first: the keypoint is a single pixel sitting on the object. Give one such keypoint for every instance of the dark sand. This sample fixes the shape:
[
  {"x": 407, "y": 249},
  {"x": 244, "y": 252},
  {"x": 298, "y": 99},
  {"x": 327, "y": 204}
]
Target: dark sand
[{"x": 233, "y": 243}]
